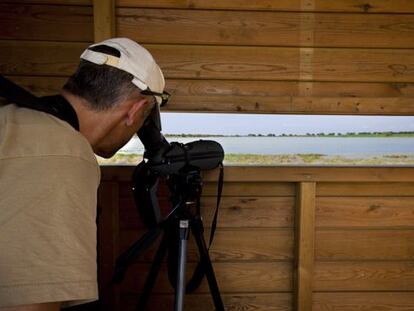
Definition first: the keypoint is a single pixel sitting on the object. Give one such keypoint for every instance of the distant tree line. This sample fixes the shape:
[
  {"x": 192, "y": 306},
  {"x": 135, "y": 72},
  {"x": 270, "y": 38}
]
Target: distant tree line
[{"x": 389, "y": 133}]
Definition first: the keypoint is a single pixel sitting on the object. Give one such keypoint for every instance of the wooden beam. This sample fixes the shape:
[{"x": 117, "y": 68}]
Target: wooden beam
[
  {"x": 305, "y": 230},
  {"x": 366, "y": 6},
  {"x": 255, "y": 28},
  {"x": 284, "y": 174},
  {"x": 104, "y": 19}
]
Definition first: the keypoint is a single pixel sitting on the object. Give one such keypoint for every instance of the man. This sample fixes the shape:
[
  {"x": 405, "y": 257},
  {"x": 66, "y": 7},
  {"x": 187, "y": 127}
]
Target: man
[{"x": 49, "y": 176}]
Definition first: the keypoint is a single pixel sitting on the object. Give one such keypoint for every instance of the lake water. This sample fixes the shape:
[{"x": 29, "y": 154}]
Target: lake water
[{"x": 346, "y": 146}]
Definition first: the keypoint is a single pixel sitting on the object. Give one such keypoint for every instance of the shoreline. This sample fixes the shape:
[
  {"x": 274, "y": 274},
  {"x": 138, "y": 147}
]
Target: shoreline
[{"x": 283, "y": 159}]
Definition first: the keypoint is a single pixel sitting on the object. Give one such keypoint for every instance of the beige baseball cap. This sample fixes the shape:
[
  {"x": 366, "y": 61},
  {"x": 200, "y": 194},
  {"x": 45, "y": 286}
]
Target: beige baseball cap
[{"x": 135, "y": 60}]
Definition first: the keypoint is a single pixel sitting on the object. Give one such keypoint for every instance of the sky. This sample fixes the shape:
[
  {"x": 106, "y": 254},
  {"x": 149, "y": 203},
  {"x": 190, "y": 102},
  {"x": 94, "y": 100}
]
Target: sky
[{"x": 244, "y": 124}]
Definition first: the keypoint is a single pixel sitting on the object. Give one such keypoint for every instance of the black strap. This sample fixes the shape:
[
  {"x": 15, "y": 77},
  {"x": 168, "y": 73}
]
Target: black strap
[
  {"x": 199, "y": 271},
  {"x": 59, "y": 107},
  {"x": 55, "y": 105}
]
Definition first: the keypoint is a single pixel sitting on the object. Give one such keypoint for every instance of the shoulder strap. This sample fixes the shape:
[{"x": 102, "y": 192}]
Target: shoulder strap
[{"x": 55, "y": 105}]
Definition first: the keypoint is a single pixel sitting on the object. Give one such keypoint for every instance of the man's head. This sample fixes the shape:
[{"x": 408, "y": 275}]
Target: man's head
[{"x": 114, "y": 89}]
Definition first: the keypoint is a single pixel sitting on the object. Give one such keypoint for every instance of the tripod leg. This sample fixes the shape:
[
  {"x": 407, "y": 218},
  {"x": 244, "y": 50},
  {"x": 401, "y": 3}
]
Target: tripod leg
[
  {"x": 152, "y": 275},
  {"x": 180, "y": 288},
  {"x": 197, "y": 229}
]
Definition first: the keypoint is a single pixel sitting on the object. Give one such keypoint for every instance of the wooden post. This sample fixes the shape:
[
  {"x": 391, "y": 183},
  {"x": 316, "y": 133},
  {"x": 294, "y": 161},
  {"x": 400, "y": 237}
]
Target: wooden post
[
  {"x": 103, "y": 19},
  {"x": 108, "y": 243},
  {"x": 305, "y": 237}
]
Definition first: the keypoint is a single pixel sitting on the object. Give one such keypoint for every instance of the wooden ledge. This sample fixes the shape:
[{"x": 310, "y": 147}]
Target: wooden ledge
[{"x": 289, "y": 174}]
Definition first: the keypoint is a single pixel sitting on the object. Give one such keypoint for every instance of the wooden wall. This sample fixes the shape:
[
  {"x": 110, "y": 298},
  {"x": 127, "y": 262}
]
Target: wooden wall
[
  {"x": 289, "y": 238},
  {"x": 296, "y": 56}
]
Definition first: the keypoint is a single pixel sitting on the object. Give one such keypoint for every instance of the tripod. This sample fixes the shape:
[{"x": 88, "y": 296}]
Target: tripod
[{"x": 176, "y": 227}]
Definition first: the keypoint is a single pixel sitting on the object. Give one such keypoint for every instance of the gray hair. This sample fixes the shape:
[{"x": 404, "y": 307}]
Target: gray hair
[{"x": 102, "y": 86}]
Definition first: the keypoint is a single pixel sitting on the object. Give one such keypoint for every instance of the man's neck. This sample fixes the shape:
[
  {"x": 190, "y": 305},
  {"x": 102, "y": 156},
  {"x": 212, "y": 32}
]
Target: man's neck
[{"x": 94, "y": 125}]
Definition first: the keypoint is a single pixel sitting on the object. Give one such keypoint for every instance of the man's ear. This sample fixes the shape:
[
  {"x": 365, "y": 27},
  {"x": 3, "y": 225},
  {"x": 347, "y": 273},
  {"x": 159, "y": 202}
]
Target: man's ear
[{"x": 134, "y": 110}]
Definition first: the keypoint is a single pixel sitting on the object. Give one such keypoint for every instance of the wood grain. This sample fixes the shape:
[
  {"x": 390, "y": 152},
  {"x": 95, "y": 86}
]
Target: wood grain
[
  {"x": 265, "y": 28},
  {"x": 103, "y": 19},
  {"x": 234, "y": 212},
  {"x": 34, "y": 58},
  {"x": 46, "y": 22},
  {"x": 200, "y": 302},
  {"x": 387, "y": 301},
  {"x": 364, "y": 276},
  {"x": 210, "y": 62},
  {"x": 193, "y": 90},
  {"x": 358, "y": 189},
  {"x": 293, "y": 105},
  {"x": 312, "y": 173},
  {"x": 231, "y": 277},
  {"x": 372, "y": 212},
  {"x": 256, "y": 176},
  {"x": 365, "y": 6},
  {"x": 53, "y": 2},
  {"x": 361, "y": 245},
  {"x": 230, "y": 245},
  {"x": 272, "y": 63},
  {"x": 305, "y": 249},
  {"x": 269, "y": 96}
]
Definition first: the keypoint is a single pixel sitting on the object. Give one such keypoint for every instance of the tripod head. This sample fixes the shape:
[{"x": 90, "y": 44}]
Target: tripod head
[{"x": 177, "y": 162}]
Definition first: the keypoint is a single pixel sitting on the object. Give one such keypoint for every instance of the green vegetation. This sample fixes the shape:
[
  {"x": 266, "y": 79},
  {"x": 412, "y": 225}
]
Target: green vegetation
[
  {"x": 315, "y": 159},
  {"x": 281, "y": 159},
  {"x": 349, "y": 134},
  {"x": 121, "y": 159}
]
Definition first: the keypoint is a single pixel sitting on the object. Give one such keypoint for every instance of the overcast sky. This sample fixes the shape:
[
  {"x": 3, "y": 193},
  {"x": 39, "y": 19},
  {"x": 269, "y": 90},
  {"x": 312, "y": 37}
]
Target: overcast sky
[{"x": 243, "y": 124}]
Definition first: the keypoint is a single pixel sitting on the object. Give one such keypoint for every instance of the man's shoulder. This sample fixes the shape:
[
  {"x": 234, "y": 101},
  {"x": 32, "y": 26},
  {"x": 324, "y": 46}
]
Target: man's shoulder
[{"x": 30, "y": 133}]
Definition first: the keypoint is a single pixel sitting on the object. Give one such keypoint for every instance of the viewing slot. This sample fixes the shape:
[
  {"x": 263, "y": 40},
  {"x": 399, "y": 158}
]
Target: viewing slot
[{"x": 262, "y": 139}]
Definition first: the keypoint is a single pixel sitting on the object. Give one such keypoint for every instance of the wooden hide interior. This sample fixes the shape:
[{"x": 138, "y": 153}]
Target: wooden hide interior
[{"x": 288, "y": 238}]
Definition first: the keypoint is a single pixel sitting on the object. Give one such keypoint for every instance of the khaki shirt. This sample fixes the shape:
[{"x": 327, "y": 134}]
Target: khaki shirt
[{"x": 48, "y": 182}]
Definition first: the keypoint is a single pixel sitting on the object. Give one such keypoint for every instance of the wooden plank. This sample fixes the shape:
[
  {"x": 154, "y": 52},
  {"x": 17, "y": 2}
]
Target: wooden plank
[
  {"x": 34, "y": 58},
  {"x": 314, "y": 173},
  {"x": 364, "y": 276},
  {"x": 368, "y": 189},
  {"x": 254, "y": 245},
  {"x": 104, "y": 19},
  {"x": 40, "y": 86},
  {"x": 305, "y": 235},
  {"x": 211, "y": 62},
  {"x": 231, "y": 245},
  {"x": 257, "y": 176},
  {"x": 46, "y": 22},
  {"x": 364, "y": 244},
  {"x": 265, "y": 28},
  {"x": 366, "y": 6},
  {"x": 269, "y": 96},
  {"x": 283, "y": 63},
  {"x": 254, "y": 89},
  {"x": 356, "y": 212},
  {"x": 250, "y": 89},
  {"x": 390, "y": 301},
  {"x": 251, "y": 212},
  {"x": 57, "y": 2},
  {"x": 239, "y": 189},
  {"x": 293, "y": 105},
  {"x": 234, "y": 212},
  {"x": 271, "y": 63},
  {"x": 201, "y": 302},
  {"x": 231, "y": 277}
]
